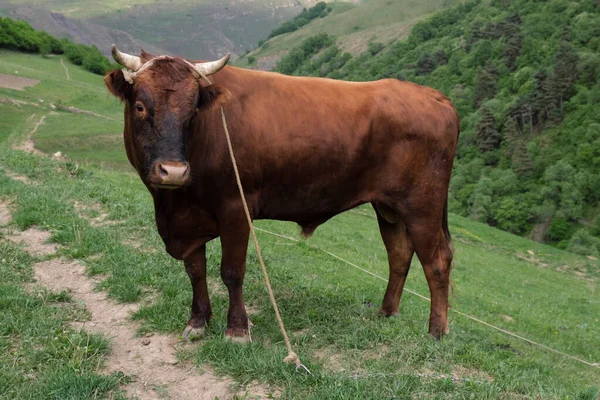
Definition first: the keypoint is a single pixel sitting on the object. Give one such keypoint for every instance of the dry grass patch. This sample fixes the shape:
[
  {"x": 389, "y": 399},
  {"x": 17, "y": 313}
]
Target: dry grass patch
[{"x": 16, "y": 82}]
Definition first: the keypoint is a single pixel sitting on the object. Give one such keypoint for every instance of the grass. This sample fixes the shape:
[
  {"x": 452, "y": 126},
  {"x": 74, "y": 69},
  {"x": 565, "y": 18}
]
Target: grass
[
  {"x": 40, "y": 355},
  {"x": 329, "y": 307}
]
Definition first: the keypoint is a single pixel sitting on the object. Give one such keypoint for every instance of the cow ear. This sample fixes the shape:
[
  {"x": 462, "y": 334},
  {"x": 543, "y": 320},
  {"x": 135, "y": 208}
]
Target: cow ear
[
  {"x": 213, "y": 96},
  {"x": 117, "y": 85}
]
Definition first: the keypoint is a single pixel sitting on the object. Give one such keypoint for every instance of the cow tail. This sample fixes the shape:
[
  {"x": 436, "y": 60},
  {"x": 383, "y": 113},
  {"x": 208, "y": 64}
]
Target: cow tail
[
  {"x": 448, "y": 240},
  {"x": 445, "y": 216}
]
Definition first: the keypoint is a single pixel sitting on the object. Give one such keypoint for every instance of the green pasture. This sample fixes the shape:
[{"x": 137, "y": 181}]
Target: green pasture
[
  {"x": 329, "y": 307},
  {"x": 69, "y": 132}
]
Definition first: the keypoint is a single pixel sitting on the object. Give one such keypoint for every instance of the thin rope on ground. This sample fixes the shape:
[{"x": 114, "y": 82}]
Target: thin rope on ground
[{"x": 543, "y": 346}]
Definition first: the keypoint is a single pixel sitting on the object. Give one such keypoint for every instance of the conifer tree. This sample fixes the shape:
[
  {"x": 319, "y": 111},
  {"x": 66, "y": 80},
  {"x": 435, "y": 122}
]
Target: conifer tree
[
  {"x": 488, "y": 137},
  {"x": 485, "y": 85},
  {"x": 565, "y": 70},
  {"x": 521, "y": 161},
  {"x": 511, "y": 136},
  {"x": 514, "y": 39},
  {"x": 512, "y": 49}
]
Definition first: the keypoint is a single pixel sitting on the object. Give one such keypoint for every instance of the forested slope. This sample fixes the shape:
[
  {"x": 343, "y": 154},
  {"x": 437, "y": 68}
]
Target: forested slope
[{"x": 525, "y": 78}]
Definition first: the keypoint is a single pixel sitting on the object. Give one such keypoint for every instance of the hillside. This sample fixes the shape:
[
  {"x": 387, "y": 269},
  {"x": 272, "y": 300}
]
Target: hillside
[
  {"x": 195, "y": 29},
  {"x": 99, "y": 215},
  {"x": 80, "y": 31},
  {"x": 525, "y": 77},
  {"x": 353, "y": 24}
]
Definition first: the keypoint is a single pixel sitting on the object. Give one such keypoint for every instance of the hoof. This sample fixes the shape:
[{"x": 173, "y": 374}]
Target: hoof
[
  {"x": 387, "y": 314},
  {"x": 238, "y": 339},
  {"x": 438, "y": 333},
  {"x": 238, "y": 335},
  {"x": 190, "y": 333}
]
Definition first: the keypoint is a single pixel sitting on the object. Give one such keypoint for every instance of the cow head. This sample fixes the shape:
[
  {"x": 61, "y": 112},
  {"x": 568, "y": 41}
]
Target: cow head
[{"x": 163, "y": 96}]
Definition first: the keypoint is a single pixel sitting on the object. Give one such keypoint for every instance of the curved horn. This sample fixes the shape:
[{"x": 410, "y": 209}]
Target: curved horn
[
  {"x": 211, "y": 67},
  {"x": 130, "y": 62}
]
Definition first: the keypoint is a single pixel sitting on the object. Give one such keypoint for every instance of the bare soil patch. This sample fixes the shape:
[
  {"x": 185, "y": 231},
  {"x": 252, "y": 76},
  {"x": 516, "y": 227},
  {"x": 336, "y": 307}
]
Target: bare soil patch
[
  {"x": 35, "y": 241},
  {"x": 93, "y": 214},
  {"x": 5, "y": 216},
  {"x": 331, "y": 359},
  {"x": 16, "y": 82}
]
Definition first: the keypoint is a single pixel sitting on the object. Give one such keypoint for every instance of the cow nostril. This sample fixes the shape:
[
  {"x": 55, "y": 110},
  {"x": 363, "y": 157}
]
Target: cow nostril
[{"x": 163, "y": 171}]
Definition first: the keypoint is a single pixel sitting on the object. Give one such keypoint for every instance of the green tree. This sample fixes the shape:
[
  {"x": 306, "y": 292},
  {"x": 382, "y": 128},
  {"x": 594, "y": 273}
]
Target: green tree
[
  {"x": 565, "y": 72},
  {"x": 511, "y": 135},
  {"x": 512, "y": 216},
  {"x": 481, "y": 201},
  {"x": 561, "y": 190},
  {"x": 521, "y": 161},
  {"x": 488, "y": 137},
  {"x": 511, "y": 29},
  {"x": 485, "y": 85}
]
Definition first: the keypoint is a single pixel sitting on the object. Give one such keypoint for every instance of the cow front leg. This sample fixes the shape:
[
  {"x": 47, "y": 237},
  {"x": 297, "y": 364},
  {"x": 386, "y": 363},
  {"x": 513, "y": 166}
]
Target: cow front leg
[
  {"x": 234, "y": 244},
  {"x": 195, "y": 266}
]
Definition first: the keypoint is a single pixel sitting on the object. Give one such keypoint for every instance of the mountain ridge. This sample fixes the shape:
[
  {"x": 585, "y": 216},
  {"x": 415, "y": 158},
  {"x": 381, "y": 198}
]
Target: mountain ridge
[{"x": 79, "y": 31}]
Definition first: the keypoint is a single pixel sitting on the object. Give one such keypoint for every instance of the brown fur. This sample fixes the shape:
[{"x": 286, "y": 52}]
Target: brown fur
[{"x": 307, "y": 149}]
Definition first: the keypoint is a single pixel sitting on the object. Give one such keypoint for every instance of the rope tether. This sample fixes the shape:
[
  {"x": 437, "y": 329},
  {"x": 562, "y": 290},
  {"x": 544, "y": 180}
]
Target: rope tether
[{"x": 292, "y": 356}]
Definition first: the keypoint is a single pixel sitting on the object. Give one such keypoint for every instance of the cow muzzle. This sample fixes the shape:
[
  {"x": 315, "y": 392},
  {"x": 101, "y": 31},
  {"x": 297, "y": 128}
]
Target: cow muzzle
[{"x": 170, "y": 174}]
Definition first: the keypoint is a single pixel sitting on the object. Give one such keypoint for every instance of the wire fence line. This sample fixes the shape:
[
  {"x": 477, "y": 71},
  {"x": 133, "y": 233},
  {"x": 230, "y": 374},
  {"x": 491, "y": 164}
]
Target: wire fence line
[{"x": 472, "y": 318}]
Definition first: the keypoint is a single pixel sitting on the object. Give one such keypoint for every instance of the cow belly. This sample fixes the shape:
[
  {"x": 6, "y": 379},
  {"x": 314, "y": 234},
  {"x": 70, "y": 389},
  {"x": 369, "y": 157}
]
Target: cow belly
[{"x": 310, "y": 205}]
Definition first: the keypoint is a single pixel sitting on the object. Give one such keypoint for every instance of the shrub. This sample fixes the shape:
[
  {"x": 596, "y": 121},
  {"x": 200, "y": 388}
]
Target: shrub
[{"x": 19, "y": 35}]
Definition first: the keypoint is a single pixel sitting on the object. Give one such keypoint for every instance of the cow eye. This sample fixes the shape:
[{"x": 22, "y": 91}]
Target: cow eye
[{"x": 139, "y": 107}]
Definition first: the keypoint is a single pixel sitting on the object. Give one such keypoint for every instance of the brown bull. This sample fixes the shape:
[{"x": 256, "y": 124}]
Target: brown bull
[{"x": 307, "y": 149}]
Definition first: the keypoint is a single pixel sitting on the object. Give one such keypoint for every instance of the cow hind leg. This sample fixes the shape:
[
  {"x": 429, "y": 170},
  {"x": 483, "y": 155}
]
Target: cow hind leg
[
  {"x": 434, "y": 250},
  {"x": 400, "y": 252}
]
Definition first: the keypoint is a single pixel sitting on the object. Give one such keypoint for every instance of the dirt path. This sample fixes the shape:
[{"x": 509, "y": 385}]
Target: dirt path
[
  {"x": 150, "y": 360},
  {"x": 29, "y": 144},
  {"x": 17, "y": 103},
  {"x": 80, "y": 111},
  {"x": 66, "y": 69}
]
